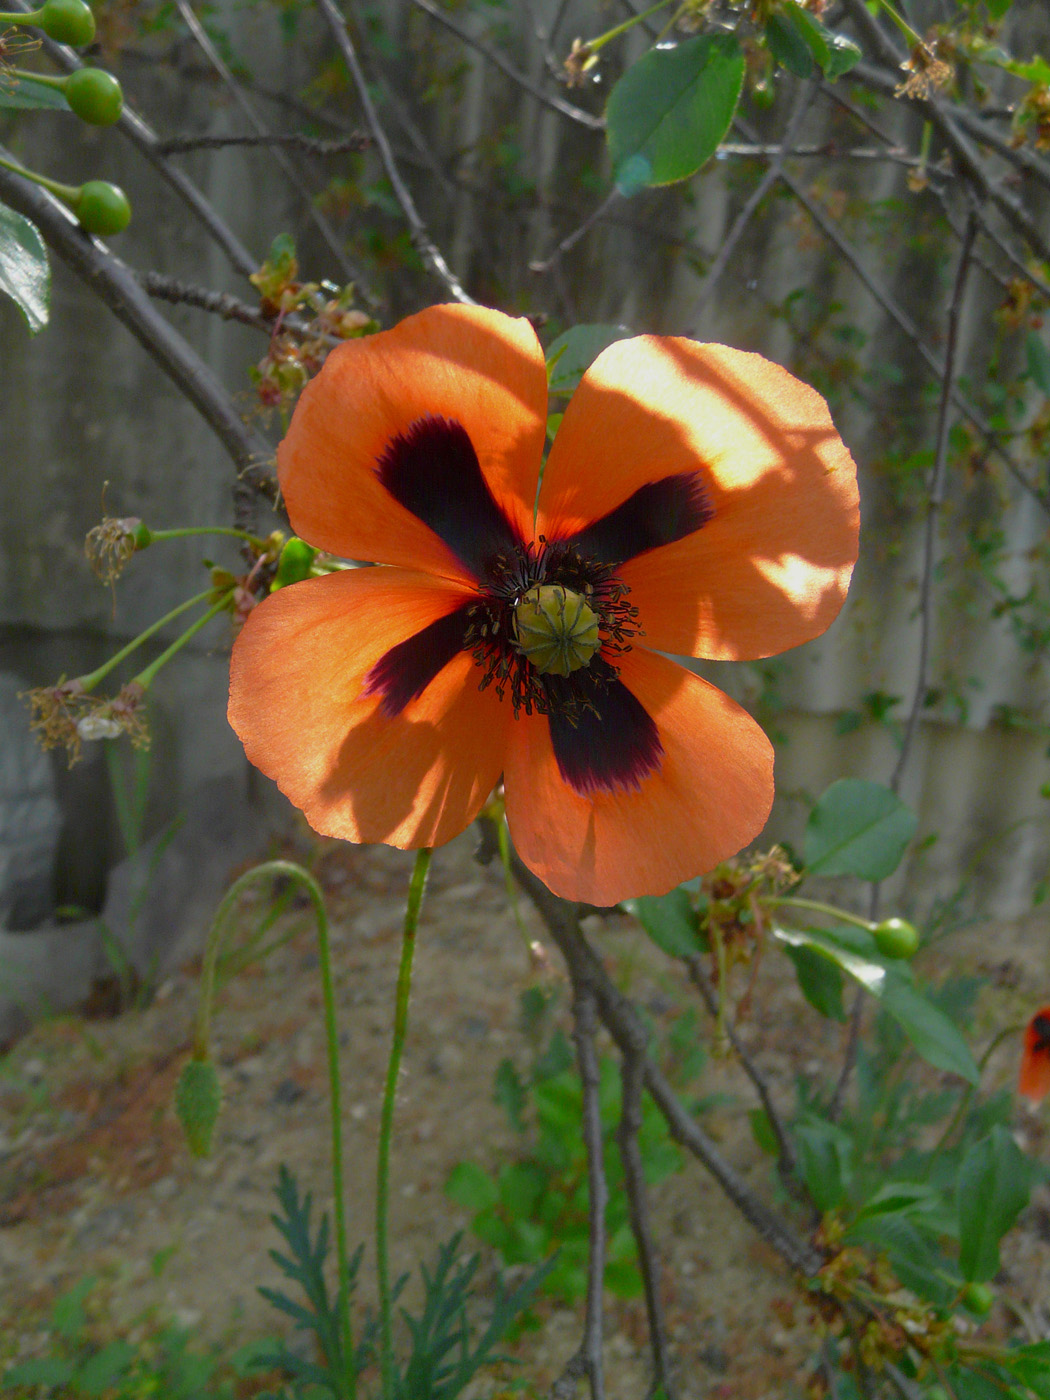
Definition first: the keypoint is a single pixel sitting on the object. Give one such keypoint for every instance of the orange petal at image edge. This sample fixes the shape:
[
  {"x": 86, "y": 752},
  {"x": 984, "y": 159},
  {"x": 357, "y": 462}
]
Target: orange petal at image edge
[
  {"x": 477, "y": 367},
  {"x": 1034, "y": 1078},
  {"x": 771, "y": 568},
  {"x": 710, "y": 796},
  {"x": 296, "y": 679}
]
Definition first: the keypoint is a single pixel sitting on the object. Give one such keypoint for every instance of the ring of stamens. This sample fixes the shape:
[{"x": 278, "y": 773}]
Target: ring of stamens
[{"x": 545, "y": 580}]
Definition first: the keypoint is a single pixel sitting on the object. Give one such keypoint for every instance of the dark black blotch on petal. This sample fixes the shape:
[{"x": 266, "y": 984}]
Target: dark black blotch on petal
[
  {"x": 658, "y": 513},
  {"x": 433, "y": 471},
  {"x": 406, "y": 670},
  {"x": 603, "y": 737}
]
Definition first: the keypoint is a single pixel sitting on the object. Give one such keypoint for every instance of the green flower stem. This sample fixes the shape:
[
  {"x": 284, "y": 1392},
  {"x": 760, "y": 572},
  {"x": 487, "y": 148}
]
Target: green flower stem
[
  {"x": 593, "y": 45},
  {"x": 88, "y": 683},
  {"x": 22, "y": 17},
  {"x": 51, "y": 80},
  {"x": 183, "y": 532},
  {"x": 416, "y": 888},
  {"x": 202, "y": 1036},
  {"x": 68, "y": 194},
  {"x": 843, "y": 915},
  {"x": 146, "y": 678},
  {"x": 901, "y": 23}
]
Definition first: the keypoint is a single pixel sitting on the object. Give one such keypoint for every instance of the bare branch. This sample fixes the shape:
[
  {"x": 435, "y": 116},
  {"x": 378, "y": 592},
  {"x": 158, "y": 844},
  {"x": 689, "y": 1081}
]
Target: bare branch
[
  {"x": 584, "y": 1028},
  {"x": 936, "y": 501},
  {"x": 324, "y": 228},
  {"x": 422, "y": 240},
  {"x": 316, "y": 145},
  {"x": 570, "y": 240},
  {"x": 223, "y": 304},
  {"x": 803, "y": 103},
  {"x": 114, "y": 283},
  {"x": 556, "y": 104},
  {"x": 632, "y": 1077},
  {"x": 786, "y": 1153}
]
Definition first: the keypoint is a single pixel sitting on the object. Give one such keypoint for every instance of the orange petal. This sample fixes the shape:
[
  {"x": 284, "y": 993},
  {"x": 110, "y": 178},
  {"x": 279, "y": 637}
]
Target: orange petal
[
  {"x": 296, "y": 678},
  {"x": 710, "y": 796},
  {"x": 771, "y": 568},
  {"x": 1034, "y": 1078},
  {"x": 481, "y": 368}
]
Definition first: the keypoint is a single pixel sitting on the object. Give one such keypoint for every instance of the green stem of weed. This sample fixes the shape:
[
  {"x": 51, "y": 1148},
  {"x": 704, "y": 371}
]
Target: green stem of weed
[
  {"x": 146, "y": 677},
  {"x": 202, "y": 1037},
  {"x": 89, "y": 682},
  {"x": 815, "y": 905},
  {"x": 416, "y": 889}
]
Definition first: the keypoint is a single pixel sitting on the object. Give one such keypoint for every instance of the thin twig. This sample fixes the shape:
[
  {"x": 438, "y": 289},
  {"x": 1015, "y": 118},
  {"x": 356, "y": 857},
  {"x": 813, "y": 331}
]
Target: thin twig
[
  {"x": 556, "y": 104},
  {"x": 632, "y": 1077},
  {"x": 316, "y": 145},
  {"x": 324, "y": 228},
  {"x": 803, "y": 103},
  {"x": 570, "y": 240},
  {"x": 223, "y": 304},
  {"x": 567, "y": 1384},
  {"x": 584, "y": 1028},
  {"x": 785, "y": 1152},
  {"x": 935, "y": 502},
  {"x": 422, "y": 240},
  {"x": 116, "y": 286}
]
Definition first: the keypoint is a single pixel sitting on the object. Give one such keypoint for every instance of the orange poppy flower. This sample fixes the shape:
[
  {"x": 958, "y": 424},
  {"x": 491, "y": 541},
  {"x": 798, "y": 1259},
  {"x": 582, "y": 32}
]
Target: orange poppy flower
[
  {"x": 696, "y": 500},
  {"x": 1034, "y": 1079}
]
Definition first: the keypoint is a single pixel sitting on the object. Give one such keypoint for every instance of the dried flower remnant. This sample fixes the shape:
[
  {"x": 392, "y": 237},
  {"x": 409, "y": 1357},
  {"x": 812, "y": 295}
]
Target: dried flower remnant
[
  {"x": 579, "y": 63},
  {"x": 109, "y": 546},
  {"x": 67, "y": 716},
  {"x": 928, "y": 73}
]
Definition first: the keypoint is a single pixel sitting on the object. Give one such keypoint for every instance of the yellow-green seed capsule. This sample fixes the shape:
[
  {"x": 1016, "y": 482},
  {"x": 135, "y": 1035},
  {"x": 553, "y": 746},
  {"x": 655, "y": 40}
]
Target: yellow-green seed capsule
[{"x": 556, "y": 629}]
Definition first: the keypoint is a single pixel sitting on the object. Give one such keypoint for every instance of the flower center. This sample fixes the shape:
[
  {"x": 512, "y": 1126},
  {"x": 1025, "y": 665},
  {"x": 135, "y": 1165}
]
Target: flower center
[{"x": 556, "y": 629}]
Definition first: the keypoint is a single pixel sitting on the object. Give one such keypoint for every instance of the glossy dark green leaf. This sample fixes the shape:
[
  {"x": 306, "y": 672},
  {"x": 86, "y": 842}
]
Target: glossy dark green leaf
[
  {"x": 669, "y": 111},
  {"x": 993, "y": 1186},
  {"x": 820, "y": 981},
  {"x": 788, "y": 46},
  {"x": 25, "y": 274},
  {"x": 858, "y": 828}
]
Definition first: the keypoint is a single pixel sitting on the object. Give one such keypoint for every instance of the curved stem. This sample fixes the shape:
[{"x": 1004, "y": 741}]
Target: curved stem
[
  {"x": 817, "y": 907},
  {"x": 184, "y": 531},
  {"x": 416, "y": 888},
  {"x": 67, "y": 193},
  {"x": 89, "y": 682},
  {"x": 202, "y": 1034}
]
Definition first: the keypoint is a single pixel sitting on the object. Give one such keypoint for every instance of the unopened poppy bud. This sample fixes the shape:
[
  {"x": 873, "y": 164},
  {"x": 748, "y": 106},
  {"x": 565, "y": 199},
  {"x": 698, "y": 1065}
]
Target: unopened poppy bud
[
  {"x": 556, "y": 629},
  {"x": 198, "y": 1098}
]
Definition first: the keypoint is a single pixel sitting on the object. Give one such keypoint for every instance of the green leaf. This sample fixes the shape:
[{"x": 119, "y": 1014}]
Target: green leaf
[
  {"x": 788, "y": 46},
  {"x": 858, "y": 828},
  {"x": 852, "y": 950},
  {"x": 669, "y": 920},
  {"x": 572, "y": 353},
  {"x": 100, "y": 1372},
  {"x": 994, "y": 1182},
  {"x": 762, "y": 1132},
  {"x": 1038, "y": 362},
  {"x": 471, "y": 1187},
  {"x": 933, "y": 1035},
  {"x": 669, "y": 111},
  {"x": 39, "y": 1370},
  {"x": 510, "y": 1093},
  {"x": 901, "y": 1197},
  {"x": 825, "y": 1154},
  {"x": 26, "y": 95},
  {"x": 25, "y": 274},
  {"x": 820, "y": 981},
  {"x": 1031, "y": 1365},
  {"x": 843, "y": 55}
]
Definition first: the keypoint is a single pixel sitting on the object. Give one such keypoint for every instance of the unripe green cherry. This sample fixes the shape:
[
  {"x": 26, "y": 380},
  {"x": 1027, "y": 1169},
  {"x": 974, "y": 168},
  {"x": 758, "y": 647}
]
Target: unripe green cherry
[
  {"x": 68, "y": 22},
  {"x": 102, "y": 208},
  {"x": 977, "y": 1298},
  {"x": 294, "y": 565},
  {"x": 94, "y": 95},
  {"x": 896, "y": 938},
  {"x": 556, "y": 629}
]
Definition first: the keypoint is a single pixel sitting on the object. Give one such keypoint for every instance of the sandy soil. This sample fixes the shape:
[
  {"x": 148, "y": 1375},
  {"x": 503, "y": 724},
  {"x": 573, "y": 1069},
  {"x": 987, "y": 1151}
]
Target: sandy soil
[{"x": 94, "y": 1177}]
